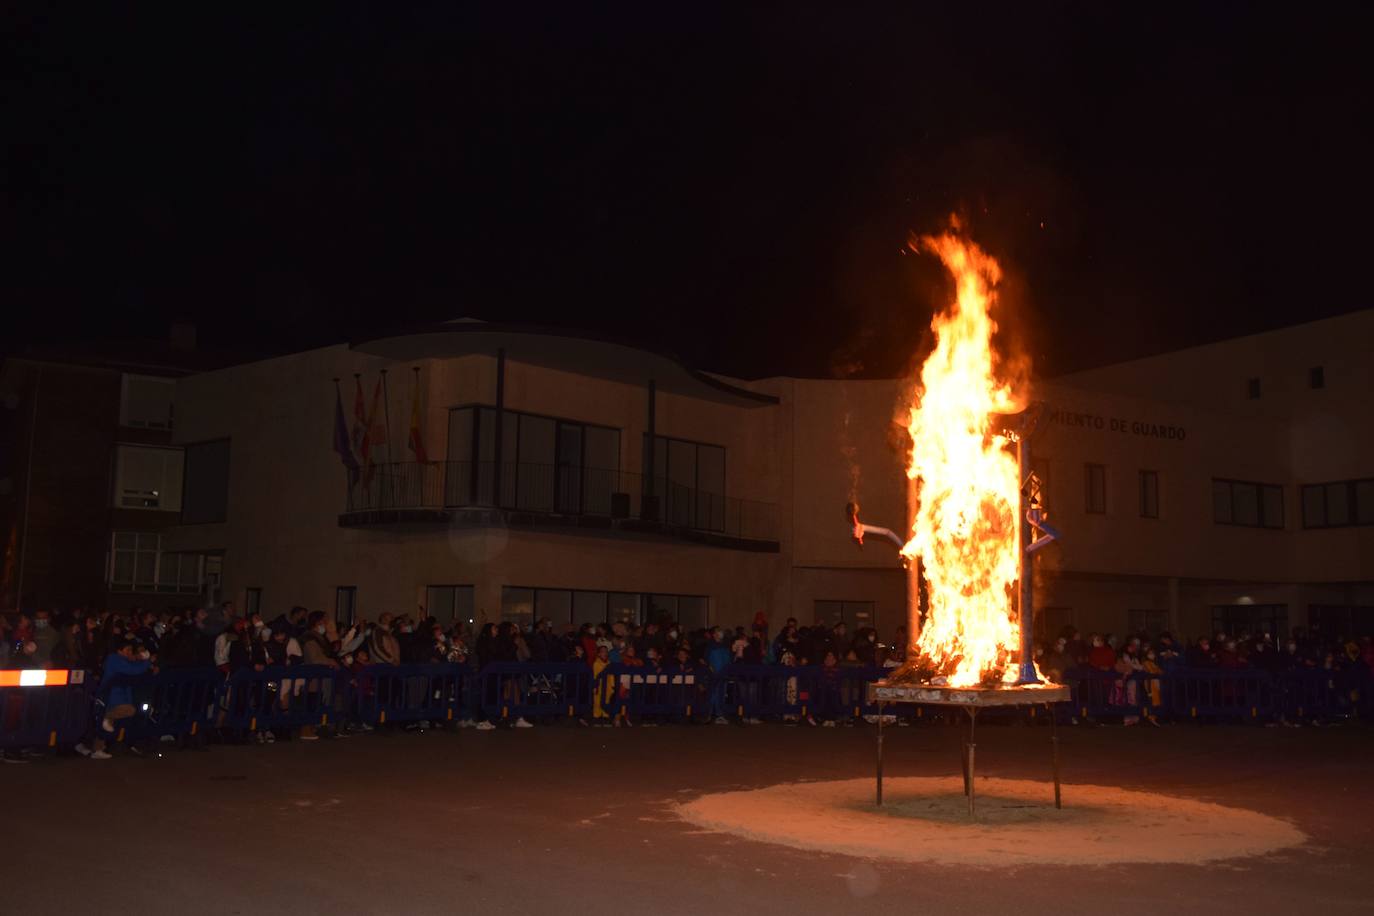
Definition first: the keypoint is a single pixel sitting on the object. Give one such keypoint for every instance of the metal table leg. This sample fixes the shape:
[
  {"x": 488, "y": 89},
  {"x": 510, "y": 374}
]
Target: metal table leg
[
  {"x": 1054, "y": 750},
  {"x": 970, "y": 771},
  {"x": 880, "y": 755}
]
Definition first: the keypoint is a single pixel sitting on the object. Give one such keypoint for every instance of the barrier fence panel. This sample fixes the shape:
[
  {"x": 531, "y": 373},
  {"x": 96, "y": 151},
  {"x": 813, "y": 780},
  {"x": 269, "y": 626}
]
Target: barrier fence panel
[
  {"x": 175, "y": 702},
  {"x": 637, "y": 692},
  {"x": 45, "y": 716},
  {"x": 511, "y": 690},
  {"x": 410, "y": 693},
  {"x": 283, "y": 698}
]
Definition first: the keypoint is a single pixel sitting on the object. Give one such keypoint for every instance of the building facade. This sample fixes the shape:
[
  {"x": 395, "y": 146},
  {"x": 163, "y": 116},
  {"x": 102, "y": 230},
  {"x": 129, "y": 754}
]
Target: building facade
[
  {"x": 577, "y": 479},
  {"x": 90, "y": 479}
]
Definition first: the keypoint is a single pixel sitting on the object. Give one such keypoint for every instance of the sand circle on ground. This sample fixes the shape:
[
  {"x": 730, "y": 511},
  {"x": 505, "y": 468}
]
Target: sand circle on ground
[{"x": 925, "y": 819}]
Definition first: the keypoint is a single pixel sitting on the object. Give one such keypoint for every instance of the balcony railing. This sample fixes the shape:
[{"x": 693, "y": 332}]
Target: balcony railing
[{"x": 559, "y": 490}]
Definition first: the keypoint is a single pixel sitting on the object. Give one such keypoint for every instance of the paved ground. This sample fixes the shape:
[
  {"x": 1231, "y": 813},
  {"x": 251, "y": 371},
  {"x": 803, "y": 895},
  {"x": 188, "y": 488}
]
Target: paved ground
[{"x": 566, "y": 820}]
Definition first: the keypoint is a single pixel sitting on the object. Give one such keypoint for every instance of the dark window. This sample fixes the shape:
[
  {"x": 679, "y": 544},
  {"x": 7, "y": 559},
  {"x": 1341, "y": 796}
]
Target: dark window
[
  {"x": 547, "y": 464},
  {"x": 564, "y": 606},
  {"x": 1251, "y": 505},
  {"x": 1330, "y": 621},
  {"x": 346, "y": 604},
  {"x": 689, "y": 611},
  {"x": 855, "y": 613},
  {"x": 1252, "y": 389},
  {"x": 206, "y": 489},
  {"x": 1095, "y": 489},
  {"x": 1149, "y": 494},
  {"x": 252, "y": 602},
  {"x": 1051, "y": 622},
  {"x": 1338, "y": 505},
  {"x": 1149, "y": 621},
  {"x": 1316, "y": 377},
  {"x": 1250, "y": 619},
  {"x": 689, "y": 481}
]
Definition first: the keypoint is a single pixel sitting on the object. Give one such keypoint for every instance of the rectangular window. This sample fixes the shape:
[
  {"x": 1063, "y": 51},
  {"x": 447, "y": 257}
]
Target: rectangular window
[
  {"x": 1334, "y": 621},
  {"x": 1251, "y": 505},
  {"x": 145, "y": 402},
  {"x": 1338, "y": 505},
  {"x": 1252, "y": 389},
  {"x": 1149, "y": 494},
  {"x": 1150, "y": 622},
  {"x": 1316, "y": 377},
  {"x": 450, "y": 604},
  {"x": 147, "y": 478},
  {"x": 564, "y": 606},
  {"x": 547, "y": 464},
  {"x": 1095, "y": 489},
  {"x": 138, "y": 564},
  {"x": 1241, "y": 620},
  {"x": 855, "y": 613},
  {"x": 207, "y": 483},
  {"x": 346, "y": 604},
  {"x": 688, "y": 478},
  {"x": 252, "y": 601}
]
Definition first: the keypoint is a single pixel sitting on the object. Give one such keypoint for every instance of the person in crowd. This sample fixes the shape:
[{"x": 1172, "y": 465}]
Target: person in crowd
[
  {"x": 1200, "y": 654},
  {"x": 45, "y": 638},
  {"x": 128, "y": 660},
  {"x": 717, "y": 658},
  {"x": 601, "y": 686},
  {"x": 1126, "y": 690},
  {"x": 1101, "y": 656},
  {"x": 316, "y": 651}
]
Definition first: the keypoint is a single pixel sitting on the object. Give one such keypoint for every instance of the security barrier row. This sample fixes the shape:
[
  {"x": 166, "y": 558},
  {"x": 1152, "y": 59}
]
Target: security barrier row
[{"x": 58, "y": 711}]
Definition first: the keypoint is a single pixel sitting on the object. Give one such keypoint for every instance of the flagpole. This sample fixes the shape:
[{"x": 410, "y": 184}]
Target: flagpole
[{"x": 386, "y": 415}]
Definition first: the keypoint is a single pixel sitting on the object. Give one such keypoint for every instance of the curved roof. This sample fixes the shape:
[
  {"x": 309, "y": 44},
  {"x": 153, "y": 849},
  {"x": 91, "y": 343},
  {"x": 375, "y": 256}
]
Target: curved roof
[{"x": 564, "y": 349}]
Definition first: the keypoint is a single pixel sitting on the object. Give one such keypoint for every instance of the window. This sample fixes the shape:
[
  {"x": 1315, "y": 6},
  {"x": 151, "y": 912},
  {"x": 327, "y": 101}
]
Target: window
[
  {"x": 207, "y": 483},
  {"x": 1095, "y": 489},
  {"x": 145, "y": 402},
  {"x": 688, "y": 611},
  {"x": 147, "y": 478},
  {"x": 1149, "y": 494},
  {"x": 855, "y": 613},
  {"x": 1331, "y": 621},
  {"x": 547, "y": 464},
  {"x": 1150, "y": 622},
  {"x": 138, "y": 564},
  {"x": 346, "y": 604},
  {"x": 252, "y": 601},
  {"x": 1251, "y": 505},
  {"x": 1250, "y": 619},
  {"x": 688, "y": 478},
  {"x": 566, "y": 606},
  {"x": 450, "y": 603},
  {"x": 1338, "y": 505},
  {"x": 1316, "y": 377},
  {"x": 1252, "y": 389}
]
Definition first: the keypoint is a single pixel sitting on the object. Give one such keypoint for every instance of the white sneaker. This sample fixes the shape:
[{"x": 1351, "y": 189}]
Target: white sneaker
[
  {"x": 83, "y": 750},
  {"x": 827, "y": 724},
  {"x": 484, "y": 726},
  {"x": 721, "y": 720},
  {"x": 100, "y": 755},
  {"x": 521, "y": 723}
]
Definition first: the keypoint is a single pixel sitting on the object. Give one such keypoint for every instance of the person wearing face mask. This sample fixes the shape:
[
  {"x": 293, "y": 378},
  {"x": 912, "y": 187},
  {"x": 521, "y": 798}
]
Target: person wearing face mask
[
  {"x": 45, "y": 638},
  {"x": 1101, "y": 656},
  {"x": 316, "y": 650}
]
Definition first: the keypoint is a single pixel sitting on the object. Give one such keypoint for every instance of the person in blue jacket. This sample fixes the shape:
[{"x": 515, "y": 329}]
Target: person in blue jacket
[
  {"x": 717, "y": 659},
  {"x": 128, "y": 659}
]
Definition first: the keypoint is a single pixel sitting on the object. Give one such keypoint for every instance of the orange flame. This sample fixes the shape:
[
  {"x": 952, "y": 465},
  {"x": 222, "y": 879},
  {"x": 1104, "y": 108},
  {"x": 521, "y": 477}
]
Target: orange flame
[{"x": 965, "y": 482}]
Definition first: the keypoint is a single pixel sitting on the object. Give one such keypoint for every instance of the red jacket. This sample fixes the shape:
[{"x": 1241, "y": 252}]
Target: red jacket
[{"x": 1102, "y": 658}]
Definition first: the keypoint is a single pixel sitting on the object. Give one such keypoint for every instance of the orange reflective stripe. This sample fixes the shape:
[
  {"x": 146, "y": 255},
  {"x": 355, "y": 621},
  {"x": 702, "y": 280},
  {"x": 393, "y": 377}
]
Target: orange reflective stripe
[{"x": 34, "y": 677}]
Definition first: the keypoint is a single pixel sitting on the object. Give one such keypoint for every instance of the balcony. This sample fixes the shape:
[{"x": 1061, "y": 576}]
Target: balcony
[{"x": 546, "y": 496}]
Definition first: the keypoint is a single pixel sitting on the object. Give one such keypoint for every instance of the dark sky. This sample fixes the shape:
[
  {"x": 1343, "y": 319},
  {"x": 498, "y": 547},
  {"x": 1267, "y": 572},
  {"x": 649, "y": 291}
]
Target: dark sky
[{"x": 734, "y": 186}]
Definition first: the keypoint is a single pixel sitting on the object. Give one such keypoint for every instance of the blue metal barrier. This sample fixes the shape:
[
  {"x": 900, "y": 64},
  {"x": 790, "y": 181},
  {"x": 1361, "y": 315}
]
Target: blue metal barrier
[
  {"x": 284, "y": 698},
  {"x": 411, "y": 693},
  {"x": 175, "y": 701},
  {"x": 638, "y": 691},
  {"x": 45, "y": 716},
  {"x": 521, "y": 689}
]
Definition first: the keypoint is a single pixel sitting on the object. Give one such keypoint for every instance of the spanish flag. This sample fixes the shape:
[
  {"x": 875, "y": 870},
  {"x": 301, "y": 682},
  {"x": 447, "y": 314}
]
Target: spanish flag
[{"x": 417, "y": 439}]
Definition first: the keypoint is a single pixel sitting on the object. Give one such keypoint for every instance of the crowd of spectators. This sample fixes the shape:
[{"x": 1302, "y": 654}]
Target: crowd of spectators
[{"x": 108, "y": 644}]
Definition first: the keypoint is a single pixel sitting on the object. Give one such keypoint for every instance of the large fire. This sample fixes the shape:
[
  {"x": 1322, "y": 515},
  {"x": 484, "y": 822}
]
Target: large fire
[{"x": 965, "y": 483}]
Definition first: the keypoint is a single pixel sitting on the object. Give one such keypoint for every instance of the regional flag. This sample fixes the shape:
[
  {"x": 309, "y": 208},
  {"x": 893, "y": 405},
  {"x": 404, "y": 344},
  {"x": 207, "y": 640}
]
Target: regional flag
[{"x": 342, "y": 445}]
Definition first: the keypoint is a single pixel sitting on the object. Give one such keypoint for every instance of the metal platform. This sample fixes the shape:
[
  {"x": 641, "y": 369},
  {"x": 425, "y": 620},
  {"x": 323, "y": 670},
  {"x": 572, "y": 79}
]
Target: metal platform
[
  {"x": 938, "y": 695},
  {"x": 970, "y": 700}
]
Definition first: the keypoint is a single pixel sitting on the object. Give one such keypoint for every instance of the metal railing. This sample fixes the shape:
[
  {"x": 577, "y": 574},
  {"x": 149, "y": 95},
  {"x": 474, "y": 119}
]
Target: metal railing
[{"x": 558, "y": 490}]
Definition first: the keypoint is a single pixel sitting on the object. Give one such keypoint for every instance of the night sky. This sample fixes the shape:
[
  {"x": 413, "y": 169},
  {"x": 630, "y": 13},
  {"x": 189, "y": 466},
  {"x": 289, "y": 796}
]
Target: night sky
[{"x": 735, "y": 186}]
